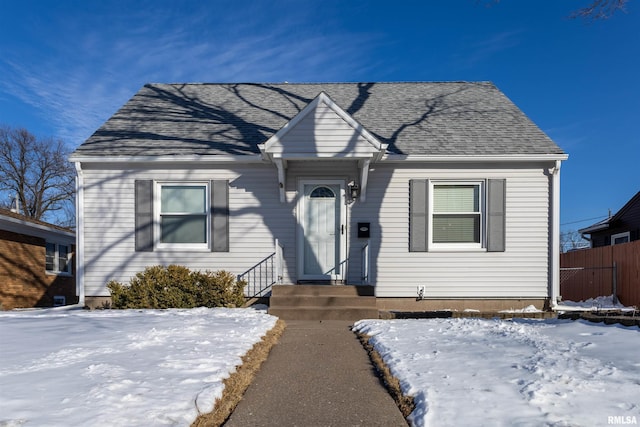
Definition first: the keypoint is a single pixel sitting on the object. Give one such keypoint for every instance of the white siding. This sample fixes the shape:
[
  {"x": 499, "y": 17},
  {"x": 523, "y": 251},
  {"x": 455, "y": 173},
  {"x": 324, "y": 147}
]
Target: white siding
[
  {"x": 257, "y": 217},
  {"x": 323, "y": 132},
  {"x": 520, "y": 271}
]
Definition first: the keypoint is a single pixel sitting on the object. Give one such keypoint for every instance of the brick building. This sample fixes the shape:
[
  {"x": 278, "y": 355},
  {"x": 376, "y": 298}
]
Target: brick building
[{"x": 36, "y": 263}]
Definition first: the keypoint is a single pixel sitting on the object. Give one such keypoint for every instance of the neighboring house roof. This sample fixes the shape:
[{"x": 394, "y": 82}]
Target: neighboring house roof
[
  {"x": 456, "y": 118},
  {"x": 604, "y": 224},
  {"x": 22, "y": 224}
]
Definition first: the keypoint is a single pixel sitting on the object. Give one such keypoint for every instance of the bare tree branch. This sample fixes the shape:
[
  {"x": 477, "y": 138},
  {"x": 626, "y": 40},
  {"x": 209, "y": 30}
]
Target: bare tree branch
[
  {"x": 600, "y": 9},
  {"x": 596, "y": 10},
  {"x": 37, "y": 172},
  {"x": 571, "y": 240}
]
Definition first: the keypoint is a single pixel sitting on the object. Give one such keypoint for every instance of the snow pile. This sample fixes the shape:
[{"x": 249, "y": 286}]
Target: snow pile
[
  {"x": 527, "y": 309},
  {"x": 120, "y": 367},
  {"x": 593, "y": 304},
  {"x": 523, "y": 372}
]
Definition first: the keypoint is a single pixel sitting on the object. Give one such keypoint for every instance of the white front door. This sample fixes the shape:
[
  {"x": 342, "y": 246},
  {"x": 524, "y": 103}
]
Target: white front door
[{"x": 321, "y": 238}]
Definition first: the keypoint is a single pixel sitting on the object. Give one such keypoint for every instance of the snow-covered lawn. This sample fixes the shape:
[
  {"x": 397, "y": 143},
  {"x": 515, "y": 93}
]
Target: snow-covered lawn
[
  {"x": 159, "y": 367},
  {"x": 119, "y": 367},
  {"x": 476, "y": 372}
]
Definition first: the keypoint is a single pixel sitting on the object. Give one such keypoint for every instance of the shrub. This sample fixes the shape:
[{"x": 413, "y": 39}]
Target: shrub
[
  {"x": 220, "y": 289},
  {"x": 176, "y": 286}
]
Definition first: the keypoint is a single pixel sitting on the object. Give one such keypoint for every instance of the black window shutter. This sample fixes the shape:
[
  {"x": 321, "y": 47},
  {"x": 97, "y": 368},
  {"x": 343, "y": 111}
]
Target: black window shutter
[
  {"x": 144, "y": 215},
  {"x": 496, "y": 195},
  {"x": 220, "y": 216},
  {"x": 418, "y": 215}
]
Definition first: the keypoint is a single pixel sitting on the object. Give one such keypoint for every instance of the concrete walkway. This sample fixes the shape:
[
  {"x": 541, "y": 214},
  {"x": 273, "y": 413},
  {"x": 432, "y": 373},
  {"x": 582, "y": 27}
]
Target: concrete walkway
[{"x": 317, "y": 375}]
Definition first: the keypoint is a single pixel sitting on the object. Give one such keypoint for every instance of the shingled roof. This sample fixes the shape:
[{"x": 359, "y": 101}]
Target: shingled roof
[
  {"x": 452, "y": 118},
  {"x": 6, "y": 215}
]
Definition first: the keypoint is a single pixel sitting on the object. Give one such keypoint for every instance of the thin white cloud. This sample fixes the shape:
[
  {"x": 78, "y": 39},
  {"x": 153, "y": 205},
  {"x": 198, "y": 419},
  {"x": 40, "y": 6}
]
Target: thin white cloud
[
  {"x": 569, "y": 136},
  {"x": 483, "y": 50},
  {"x": 82, "y": 82},
  {"x": 70, "y": 100}
]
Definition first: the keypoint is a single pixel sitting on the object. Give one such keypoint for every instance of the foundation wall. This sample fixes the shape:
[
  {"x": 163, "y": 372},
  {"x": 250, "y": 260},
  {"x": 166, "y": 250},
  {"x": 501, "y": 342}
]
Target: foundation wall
[{"x": 483, "y": 305}]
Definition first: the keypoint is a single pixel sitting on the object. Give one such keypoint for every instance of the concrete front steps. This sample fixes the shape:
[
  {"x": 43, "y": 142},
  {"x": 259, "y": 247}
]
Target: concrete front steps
[{"x": 323, "y": 302}]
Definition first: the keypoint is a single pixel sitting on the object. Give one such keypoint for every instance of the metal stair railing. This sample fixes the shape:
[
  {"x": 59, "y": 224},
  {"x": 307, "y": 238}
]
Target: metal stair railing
[{"x": 262, "y": 276}]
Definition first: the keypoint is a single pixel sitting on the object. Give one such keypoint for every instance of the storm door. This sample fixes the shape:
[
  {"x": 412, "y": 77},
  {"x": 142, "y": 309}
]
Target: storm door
[{"x": 321, "y": 230}]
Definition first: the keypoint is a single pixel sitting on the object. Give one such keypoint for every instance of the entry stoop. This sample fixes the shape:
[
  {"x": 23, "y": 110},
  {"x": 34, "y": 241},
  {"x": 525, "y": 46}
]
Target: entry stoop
[{"x": 323, "y": 302}]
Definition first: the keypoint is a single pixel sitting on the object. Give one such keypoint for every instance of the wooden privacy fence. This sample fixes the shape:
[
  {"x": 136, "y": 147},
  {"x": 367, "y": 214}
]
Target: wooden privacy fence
[
  {"x": 581, "y": 283},
  {"x": 589, "y": 273}
]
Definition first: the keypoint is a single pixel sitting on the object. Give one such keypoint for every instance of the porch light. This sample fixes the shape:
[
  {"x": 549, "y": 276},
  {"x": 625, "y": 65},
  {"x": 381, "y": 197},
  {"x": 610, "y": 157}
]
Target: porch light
[{"x": 354, "y": 190}]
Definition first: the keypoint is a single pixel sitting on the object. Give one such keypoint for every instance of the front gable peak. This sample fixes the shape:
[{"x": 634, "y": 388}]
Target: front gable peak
[{"x": 323, "y": 130}]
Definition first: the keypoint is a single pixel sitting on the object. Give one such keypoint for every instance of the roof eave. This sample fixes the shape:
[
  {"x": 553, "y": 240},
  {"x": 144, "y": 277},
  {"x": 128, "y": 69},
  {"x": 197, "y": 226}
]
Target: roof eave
[
  {"x": 594, "y": 228},
  {"x": 193, "y": 158},
  {"x": 474, "y": 158},
  {"x": 34, "y": 226}
]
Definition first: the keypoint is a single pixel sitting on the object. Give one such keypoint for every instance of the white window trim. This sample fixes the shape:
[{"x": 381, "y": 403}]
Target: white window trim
[
  {"x": 467, "y": 247},
  {"x": 157, "y": 203},
  {"x": 626, "y": 234},
  {"x": 56, "y": 259}
]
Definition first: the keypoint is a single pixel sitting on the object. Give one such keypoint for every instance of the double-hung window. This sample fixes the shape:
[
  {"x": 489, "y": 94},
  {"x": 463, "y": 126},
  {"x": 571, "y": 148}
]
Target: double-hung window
[
  {"x": 57, "y": 258},
  {"x": 183, "y": 215},
  {"x": 456, "y": 214}
]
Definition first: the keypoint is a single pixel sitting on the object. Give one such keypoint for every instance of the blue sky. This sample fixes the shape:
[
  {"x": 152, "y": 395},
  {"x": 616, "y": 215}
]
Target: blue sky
[{"x": 66, "y": 66}]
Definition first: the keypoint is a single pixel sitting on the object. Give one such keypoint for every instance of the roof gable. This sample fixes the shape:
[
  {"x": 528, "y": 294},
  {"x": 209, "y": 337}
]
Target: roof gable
[{"x": 322, "y": 129}]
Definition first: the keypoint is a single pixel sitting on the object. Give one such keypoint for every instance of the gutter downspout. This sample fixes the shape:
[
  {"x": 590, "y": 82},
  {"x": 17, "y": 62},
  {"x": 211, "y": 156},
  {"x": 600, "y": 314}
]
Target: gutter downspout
[
  {"x": 79, "y": 234},
  {"x": 555, "y": 236}
]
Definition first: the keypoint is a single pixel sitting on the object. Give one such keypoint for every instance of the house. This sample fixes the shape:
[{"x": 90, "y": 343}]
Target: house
[
  {"x": 437, "y": 195},
  {"x": 623, "y": 227},
  {"x": 36, "y": 263}
]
